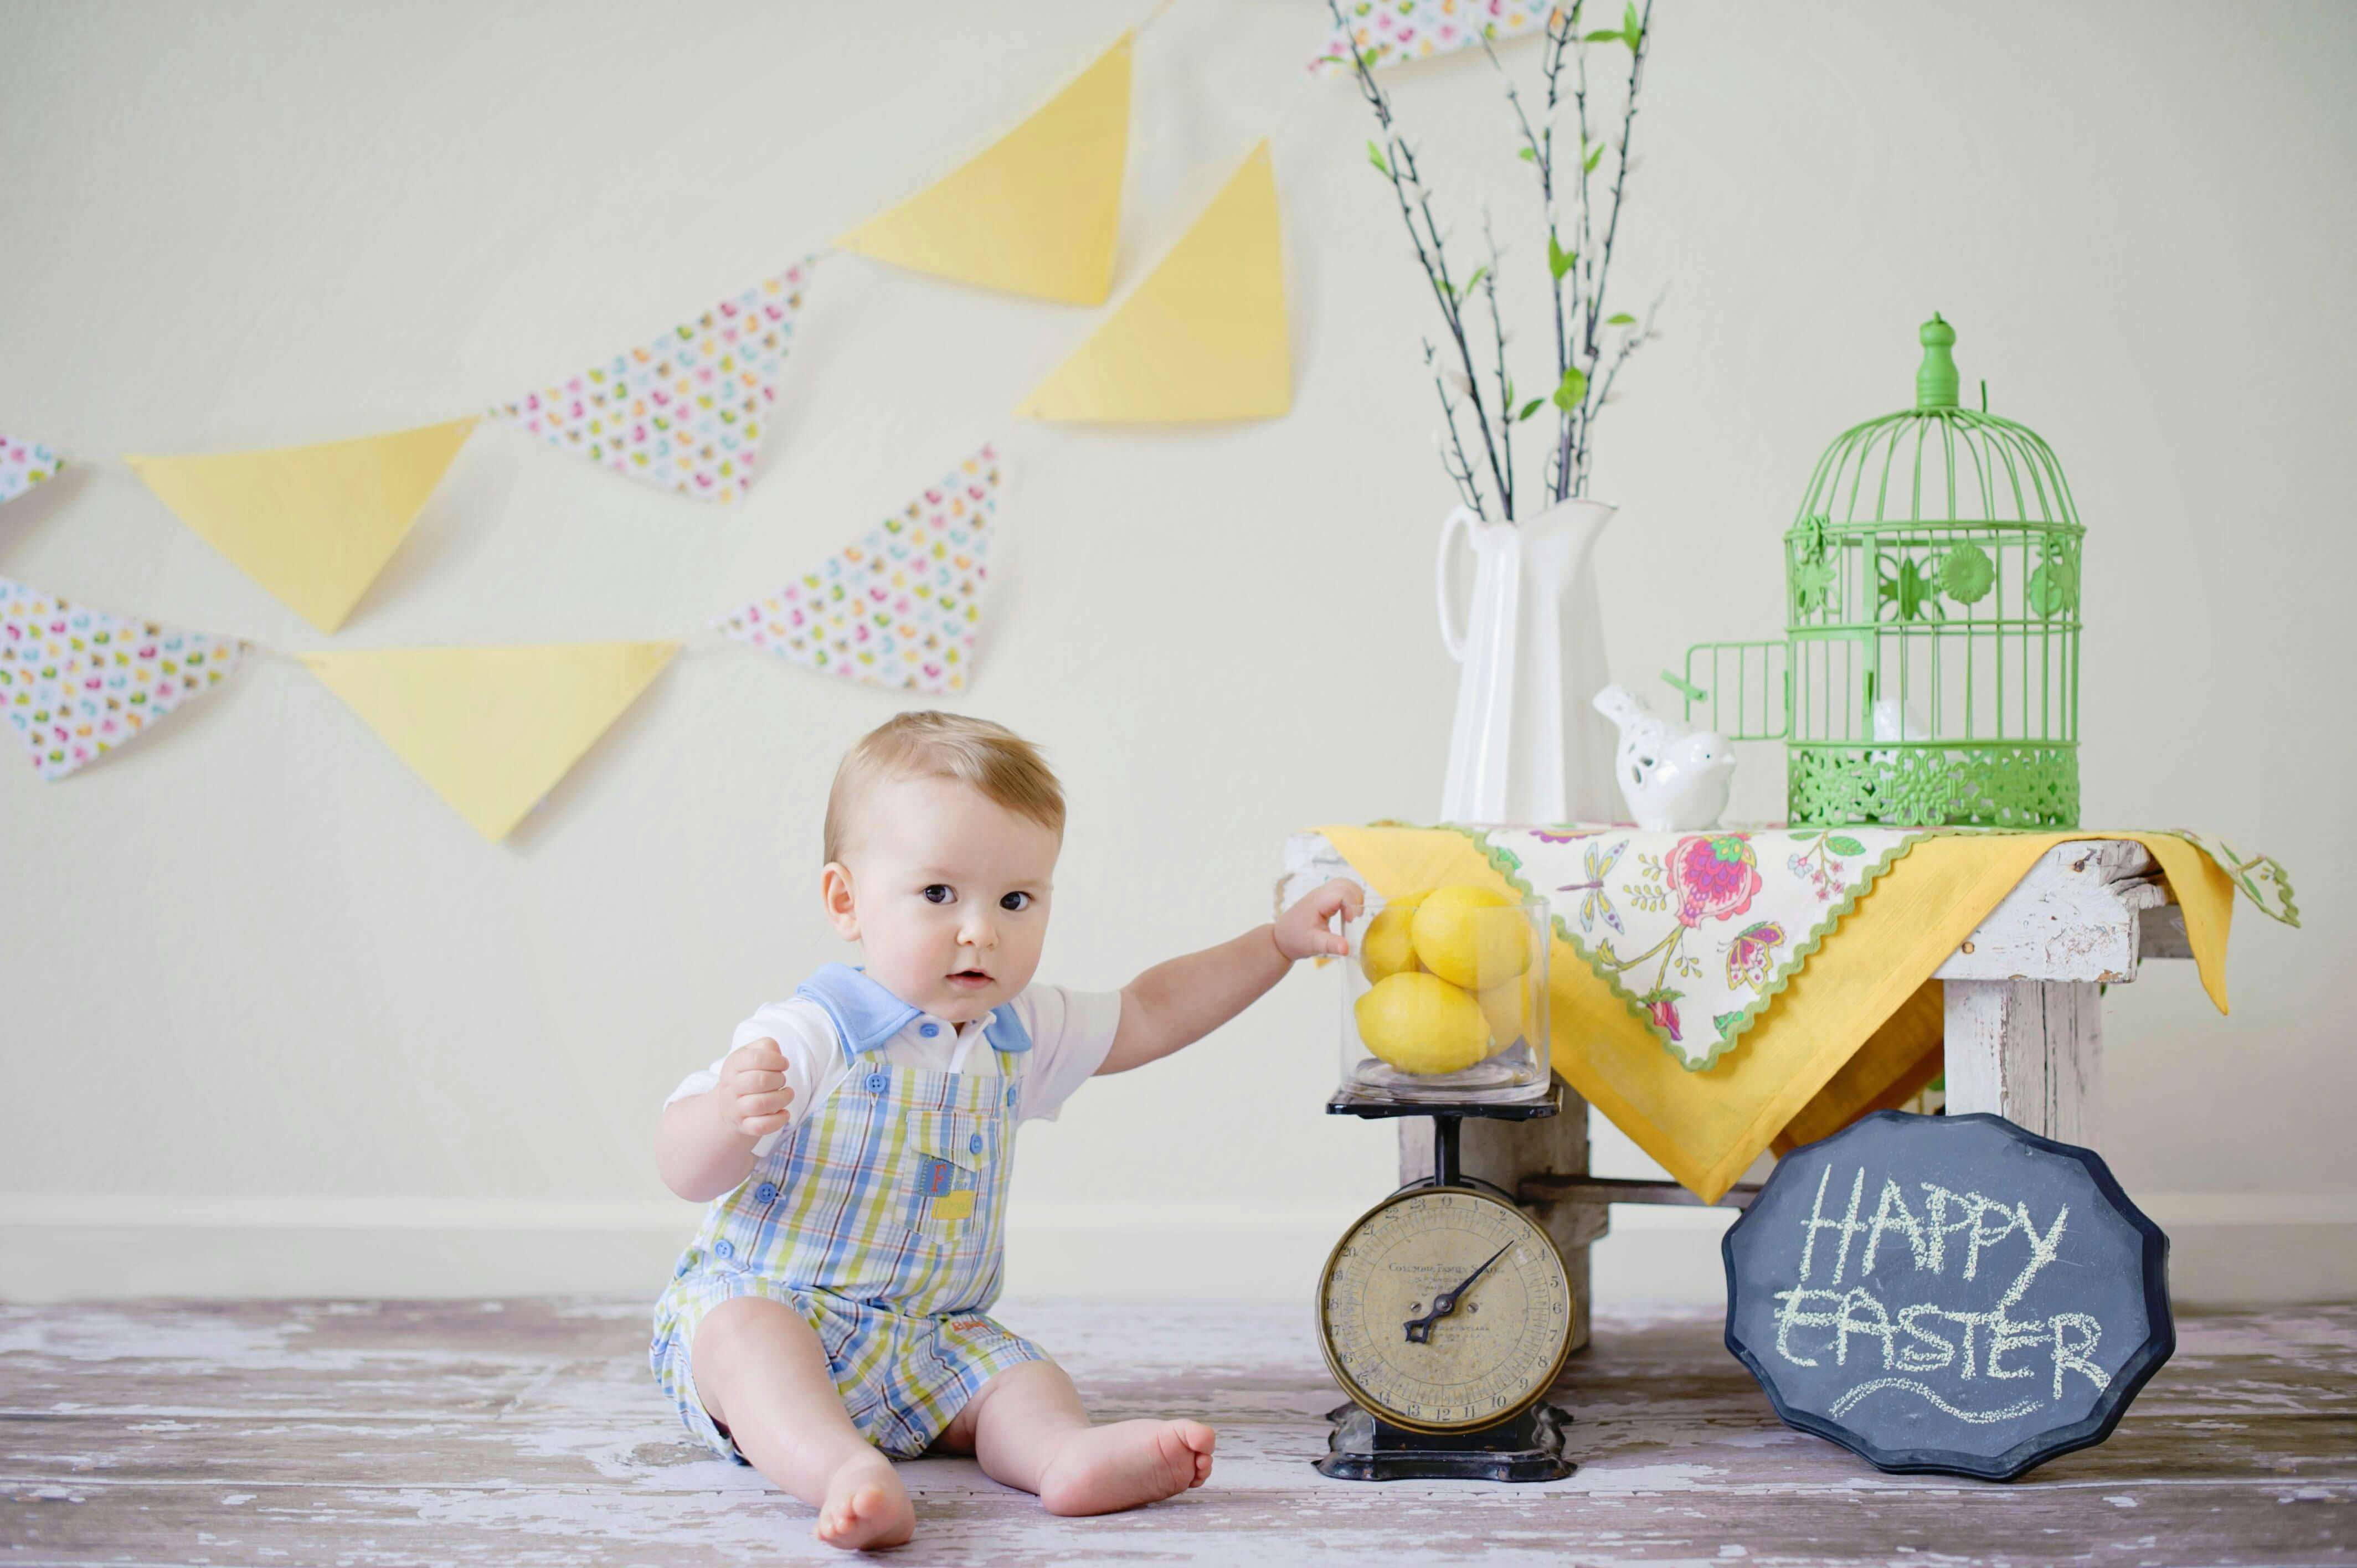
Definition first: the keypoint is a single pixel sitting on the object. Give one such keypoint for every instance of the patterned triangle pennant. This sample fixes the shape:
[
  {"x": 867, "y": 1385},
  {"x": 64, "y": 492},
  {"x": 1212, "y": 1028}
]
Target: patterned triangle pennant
[
  {"x": 687, "y": 411},
  {"x": 1398, "y": 31},
  {"x": 901, "y": 606},
  {"x": 77, "y": 682},
  {"x": 23, "y": 464}
]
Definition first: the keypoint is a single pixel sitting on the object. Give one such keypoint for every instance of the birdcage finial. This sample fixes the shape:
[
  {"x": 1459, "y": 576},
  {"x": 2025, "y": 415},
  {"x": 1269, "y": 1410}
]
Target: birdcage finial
[{"x": 1935, "y": 379}]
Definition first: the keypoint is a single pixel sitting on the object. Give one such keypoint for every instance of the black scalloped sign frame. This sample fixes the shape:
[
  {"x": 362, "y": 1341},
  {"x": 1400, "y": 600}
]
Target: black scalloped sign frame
[{"x": 1948, "y": 1294}]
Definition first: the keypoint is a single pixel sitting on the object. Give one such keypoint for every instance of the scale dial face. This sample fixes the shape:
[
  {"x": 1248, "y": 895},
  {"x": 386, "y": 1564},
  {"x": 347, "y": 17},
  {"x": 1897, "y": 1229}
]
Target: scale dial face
[{"x": 1494, "y": 1353}]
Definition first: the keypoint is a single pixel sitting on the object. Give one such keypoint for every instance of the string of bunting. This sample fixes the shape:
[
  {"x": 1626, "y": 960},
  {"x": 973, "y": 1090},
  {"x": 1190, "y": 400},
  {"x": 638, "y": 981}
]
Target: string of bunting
[
  {"x": 493, "y": 729},
  {"x": 1203, "y": 336}
]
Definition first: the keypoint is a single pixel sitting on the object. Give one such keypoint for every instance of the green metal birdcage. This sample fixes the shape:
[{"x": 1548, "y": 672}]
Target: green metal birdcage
[{"x": 1929, "y": 672}]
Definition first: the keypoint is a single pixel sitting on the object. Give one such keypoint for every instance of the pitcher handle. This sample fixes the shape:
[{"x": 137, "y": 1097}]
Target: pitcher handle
[{"x": 1452, "y": 635}]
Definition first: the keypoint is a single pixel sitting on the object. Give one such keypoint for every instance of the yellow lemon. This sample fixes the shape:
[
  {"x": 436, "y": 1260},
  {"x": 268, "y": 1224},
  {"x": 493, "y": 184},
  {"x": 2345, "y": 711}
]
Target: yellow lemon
[
  {"x": 1423, "y": 1024},
  {"x": 1471, "y": 937},
  {"x": 1507, "y": 1007},
  {"x": 1385, "y": 949}
]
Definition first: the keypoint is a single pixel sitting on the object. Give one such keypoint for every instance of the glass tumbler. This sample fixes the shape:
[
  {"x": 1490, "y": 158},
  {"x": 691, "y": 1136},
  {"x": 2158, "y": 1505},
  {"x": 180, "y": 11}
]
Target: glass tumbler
[{"x": 1445, "y": 998}]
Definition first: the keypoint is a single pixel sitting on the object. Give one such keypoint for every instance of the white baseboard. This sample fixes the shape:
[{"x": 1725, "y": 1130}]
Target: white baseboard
[{"x": 2245, "y": 1248}]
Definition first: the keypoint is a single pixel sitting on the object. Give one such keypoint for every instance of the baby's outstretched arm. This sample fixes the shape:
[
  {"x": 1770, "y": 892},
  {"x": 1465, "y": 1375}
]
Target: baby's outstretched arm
[
  {"x": 1175, "y": 1003},
  {"x": 703, "y": 1145}
]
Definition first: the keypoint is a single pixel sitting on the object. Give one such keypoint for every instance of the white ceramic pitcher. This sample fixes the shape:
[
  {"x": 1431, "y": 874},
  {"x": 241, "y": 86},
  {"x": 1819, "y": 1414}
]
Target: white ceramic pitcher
[{"x": 1526, "y": 746}]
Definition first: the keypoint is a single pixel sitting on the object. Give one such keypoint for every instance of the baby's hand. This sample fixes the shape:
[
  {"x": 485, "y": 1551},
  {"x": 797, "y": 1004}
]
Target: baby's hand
[
  {"x": 752, "y": 1095},
  {"x": 1301, "y": 931}
]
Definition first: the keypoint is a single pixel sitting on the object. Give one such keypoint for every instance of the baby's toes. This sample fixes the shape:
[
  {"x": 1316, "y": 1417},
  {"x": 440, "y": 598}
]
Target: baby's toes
[
  {"x": 863, "y": 1516},
  {"x": 1199, "y": 1441}
]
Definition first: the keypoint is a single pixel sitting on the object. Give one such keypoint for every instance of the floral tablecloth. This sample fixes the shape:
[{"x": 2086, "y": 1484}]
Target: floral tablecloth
[
  {"x": 1716, "y": 993},
  {"x": 1698, "y": 932}
]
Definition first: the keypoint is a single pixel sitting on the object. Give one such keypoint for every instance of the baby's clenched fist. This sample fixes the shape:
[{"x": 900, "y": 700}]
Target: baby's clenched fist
[{"x": 752, "y": 1095}]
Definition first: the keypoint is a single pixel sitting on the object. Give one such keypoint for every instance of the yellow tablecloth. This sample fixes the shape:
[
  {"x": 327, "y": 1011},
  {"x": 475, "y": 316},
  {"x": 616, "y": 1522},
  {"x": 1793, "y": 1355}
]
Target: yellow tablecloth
[{"x": 1859, "y": 1027}]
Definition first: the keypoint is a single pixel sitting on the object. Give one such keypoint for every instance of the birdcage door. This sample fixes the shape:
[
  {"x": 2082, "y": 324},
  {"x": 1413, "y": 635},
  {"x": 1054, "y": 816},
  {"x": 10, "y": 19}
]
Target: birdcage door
[{"x": 1744, "y": 688}]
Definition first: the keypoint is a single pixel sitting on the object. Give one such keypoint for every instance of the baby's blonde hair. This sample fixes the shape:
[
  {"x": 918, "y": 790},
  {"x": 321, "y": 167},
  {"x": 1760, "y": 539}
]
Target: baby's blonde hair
[{"x": 977, "y": 753}]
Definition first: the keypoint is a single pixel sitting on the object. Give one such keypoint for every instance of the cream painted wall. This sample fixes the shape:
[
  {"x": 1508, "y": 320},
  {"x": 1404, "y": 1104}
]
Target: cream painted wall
[{"x": 276, "y": 1019}]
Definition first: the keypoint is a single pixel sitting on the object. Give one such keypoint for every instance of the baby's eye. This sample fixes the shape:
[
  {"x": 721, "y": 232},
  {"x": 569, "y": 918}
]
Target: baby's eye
[
  {"x": 940, "y": 893},
  {"x": 1016, "y": 901}
]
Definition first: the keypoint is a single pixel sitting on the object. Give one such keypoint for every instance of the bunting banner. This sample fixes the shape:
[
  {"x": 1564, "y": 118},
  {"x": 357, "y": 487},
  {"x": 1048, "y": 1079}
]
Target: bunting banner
[
  {"x": 1037, "y": 212},
  {"x": 1204, "y": 336},
  {"x": 687, "y": 411},
  {"x": 312, "y": 524},
  {"x": 492, "y": 729},
  {"x": 79, "y": 682},
  {"x": 23, "y": 464},
  {"x": 902, "y": 607},
  {"x": 1389, "y": 31}
]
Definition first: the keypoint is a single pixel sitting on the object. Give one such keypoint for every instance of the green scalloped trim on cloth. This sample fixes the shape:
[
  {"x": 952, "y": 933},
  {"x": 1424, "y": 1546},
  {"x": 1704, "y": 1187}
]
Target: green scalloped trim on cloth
[
  {"x": 2262, "y": 877},
  {"x": 1726, "y": 1028}
]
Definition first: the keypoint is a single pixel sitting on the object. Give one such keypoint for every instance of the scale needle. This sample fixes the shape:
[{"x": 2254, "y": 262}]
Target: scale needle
[{"x": 1419, "y": 1329}]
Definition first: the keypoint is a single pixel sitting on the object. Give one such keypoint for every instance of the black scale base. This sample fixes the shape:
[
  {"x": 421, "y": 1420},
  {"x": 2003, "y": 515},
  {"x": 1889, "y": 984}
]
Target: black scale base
[{"x": 1364, "y": 1447}]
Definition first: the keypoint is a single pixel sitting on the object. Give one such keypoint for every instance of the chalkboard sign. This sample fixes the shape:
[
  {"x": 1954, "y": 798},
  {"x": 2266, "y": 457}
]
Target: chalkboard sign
[{"x": 1948, "y": 1293}]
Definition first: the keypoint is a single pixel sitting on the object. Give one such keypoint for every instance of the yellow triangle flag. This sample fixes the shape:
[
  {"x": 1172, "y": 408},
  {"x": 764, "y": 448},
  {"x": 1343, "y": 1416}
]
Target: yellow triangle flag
[
  {"x": 492, "y": 729},
  {"x": 312, "y": 524},
  {"x": 1204, "y": 336},
  {"x": 1038, "y": 212}
]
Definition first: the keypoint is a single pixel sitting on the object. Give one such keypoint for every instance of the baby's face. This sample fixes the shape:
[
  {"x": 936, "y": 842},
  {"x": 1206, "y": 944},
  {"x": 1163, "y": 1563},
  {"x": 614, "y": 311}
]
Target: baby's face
[{"x": 946, "y": 892}]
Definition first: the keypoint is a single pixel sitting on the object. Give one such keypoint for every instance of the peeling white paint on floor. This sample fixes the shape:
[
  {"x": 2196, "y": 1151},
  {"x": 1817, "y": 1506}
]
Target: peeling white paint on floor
[{"x": 384, "y": 1435}]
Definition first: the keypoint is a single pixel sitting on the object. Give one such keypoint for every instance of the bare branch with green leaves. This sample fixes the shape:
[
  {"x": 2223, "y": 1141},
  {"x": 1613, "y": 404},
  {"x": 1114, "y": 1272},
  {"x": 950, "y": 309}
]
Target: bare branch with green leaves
[{"x": 1591, "y": 342}]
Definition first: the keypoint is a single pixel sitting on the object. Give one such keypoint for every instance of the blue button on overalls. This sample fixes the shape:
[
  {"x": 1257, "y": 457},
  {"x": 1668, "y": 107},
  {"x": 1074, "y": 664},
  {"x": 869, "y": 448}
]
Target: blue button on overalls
[
  {"x": 929, "y": 1030},
  {"x": 877, "y": 1082},
  {"x": 975, "y": 1144},
  {"x": 766, "y": 1192},
  {"x": 724, "y": 1247}
]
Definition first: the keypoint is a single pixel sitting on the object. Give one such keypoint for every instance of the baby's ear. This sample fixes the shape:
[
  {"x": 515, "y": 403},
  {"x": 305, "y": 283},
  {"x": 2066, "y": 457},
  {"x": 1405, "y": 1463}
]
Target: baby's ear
[{"x": 842, "y": 905}]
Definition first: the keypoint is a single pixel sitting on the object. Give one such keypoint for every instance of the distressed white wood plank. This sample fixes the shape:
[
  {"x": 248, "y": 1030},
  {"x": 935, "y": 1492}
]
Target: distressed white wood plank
[
  {"x": 2244, "y": 1450},
  {"x": 2027, "y": 1050},
  {"x": 2073, "y": 916}
]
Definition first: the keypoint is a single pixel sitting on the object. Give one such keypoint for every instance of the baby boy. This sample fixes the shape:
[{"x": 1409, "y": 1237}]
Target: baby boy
[{"x": 855, "y": 1143}]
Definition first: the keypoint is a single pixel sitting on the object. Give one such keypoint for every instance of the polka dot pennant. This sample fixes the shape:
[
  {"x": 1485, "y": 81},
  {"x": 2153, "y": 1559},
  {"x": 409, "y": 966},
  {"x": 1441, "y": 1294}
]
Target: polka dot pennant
[
  {"x": 1398, "y": 31},
  {"x": 76, "y": 682},
  {"x": 687, "y": 411},
  {"x": 23, "y": 464},
  {"x": 901, "y": 606}
]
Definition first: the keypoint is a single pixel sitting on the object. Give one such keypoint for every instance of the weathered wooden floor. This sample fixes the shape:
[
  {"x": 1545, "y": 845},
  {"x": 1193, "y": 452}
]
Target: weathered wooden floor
[{"x": 529, "y": 1431}]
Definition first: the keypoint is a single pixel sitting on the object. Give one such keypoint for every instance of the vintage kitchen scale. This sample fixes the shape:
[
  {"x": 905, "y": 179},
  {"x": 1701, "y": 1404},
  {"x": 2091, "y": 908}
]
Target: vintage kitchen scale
[{"x": 1445, "y": 1312}]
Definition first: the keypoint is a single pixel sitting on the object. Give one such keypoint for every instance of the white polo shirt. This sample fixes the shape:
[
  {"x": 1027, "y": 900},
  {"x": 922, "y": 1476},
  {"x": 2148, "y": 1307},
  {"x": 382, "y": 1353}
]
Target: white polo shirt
[{"x": 1071, "y": 1033}]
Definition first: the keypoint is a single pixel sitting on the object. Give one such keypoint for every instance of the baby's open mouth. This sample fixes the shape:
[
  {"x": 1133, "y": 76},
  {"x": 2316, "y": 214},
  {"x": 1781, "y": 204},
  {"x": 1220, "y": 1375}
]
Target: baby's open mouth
[{"x": 972, "y": 979}]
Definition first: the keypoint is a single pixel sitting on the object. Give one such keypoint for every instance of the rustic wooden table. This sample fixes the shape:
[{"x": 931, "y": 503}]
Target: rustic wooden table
[{"x": 2024, "y": 1038}]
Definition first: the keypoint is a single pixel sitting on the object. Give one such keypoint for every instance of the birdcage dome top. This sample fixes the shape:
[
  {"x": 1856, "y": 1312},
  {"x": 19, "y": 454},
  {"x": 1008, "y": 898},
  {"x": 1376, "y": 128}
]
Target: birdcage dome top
[{"x": 1937, "y": 465}]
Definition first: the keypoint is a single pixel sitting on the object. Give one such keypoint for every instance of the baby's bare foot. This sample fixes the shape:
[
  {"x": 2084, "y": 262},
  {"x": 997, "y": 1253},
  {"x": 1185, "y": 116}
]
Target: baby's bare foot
[
  {"x": 1127, "y": 1465},
  {"x": 865, "y": 1506}
]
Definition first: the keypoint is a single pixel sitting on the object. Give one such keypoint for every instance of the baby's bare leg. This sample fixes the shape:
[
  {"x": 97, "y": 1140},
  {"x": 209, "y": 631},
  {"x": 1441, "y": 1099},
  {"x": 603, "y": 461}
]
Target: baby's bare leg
[
  {"x": 1029, "y": 1429},
  {"x": 762, "y": 1374}
]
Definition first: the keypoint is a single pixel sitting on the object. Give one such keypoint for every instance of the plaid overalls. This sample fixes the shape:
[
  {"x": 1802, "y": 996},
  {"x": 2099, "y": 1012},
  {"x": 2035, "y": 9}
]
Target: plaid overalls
[{"x": 880, "y": 1218}]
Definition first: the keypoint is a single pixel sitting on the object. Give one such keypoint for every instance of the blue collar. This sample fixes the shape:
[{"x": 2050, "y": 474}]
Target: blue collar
[{"x": 867, "y": 1016}]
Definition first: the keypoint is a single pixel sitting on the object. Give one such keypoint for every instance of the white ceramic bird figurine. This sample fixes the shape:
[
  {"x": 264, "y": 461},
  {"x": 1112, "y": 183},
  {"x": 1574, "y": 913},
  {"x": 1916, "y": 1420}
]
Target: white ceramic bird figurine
[{"x": 1674, "y": 779}]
